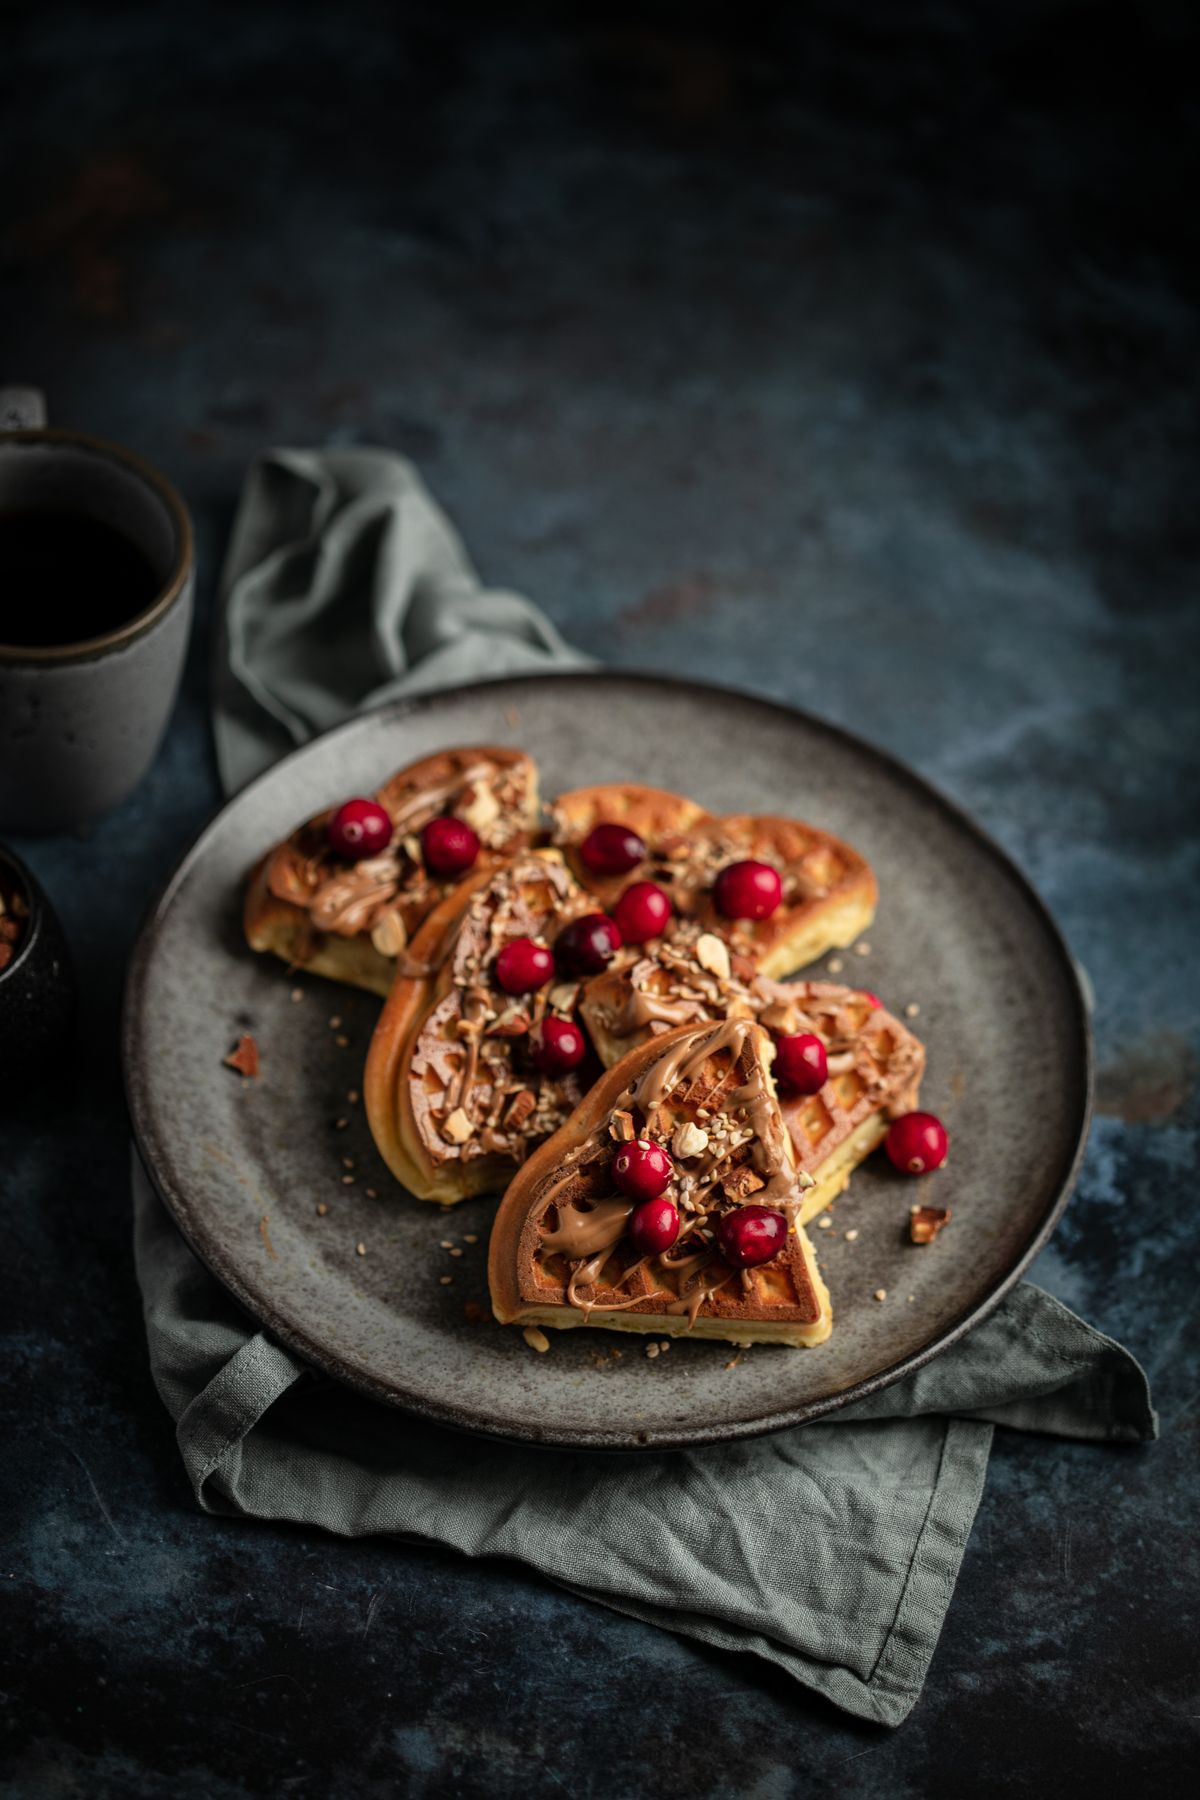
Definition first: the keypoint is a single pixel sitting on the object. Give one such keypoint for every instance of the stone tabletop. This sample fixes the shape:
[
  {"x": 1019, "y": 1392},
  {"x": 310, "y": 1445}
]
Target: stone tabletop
[{"x": 850, "y": 360}]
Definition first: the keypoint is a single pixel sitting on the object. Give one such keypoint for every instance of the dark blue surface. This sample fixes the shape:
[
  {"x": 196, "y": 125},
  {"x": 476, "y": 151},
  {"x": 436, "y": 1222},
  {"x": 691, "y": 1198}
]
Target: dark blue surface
[{"x": 854, "y": 360}]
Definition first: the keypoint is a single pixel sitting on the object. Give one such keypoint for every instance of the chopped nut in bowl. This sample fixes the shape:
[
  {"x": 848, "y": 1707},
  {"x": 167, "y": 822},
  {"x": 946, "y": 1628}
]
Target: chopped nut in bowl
[{"x": 37, "y": 982}]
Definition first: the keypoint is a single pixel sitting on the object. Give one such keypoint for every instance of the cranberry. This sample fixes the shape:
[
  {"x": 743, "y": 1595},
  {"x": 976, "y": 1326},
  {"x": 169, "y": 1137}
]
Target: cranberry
[
  {"x": 556, "y": 1046},
  {"x": 917, "y": 1142},
  {"x": 360, "y": 828},
  {"x": 750, "y": 1235},
  {"x": 641, "y": 1169},
  {"x": 642, "y": 912},
  {"x": 654, "y": 1226},
  {"x": 801, "y": 1063},
  {"x": 449, "y": 845},
  {"x": 586, "y": 946},
  {"x": 748, "y": 890},
  {"x": 523, "y": 965},
  {"x": 611, "y": 850}
]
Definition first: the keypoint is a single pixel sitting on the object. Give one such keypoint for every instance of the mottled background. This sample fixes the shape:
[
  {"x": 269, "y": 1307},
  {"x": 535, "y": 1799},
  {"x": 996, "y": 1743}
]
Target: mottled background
[{"x": 844, "y": 351}]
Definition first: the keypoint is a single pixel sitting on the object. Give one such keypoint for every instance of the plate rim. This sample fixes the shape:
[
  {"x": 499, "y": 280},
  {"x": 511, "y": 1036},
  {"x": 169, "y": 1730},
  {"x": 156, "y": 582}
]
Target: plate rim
[{"x": 152, "y": 1154}]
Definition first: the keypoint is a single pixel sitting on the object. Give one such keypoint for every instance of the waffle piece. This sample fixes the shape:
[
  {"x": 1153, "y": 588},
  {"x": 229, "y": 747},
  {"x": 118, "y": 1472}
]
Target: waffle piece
[
  {"x": 875, "y": 1062},
  {"x": 352, "y": 921},
  {"x": 560, "y": 1251},
  {"x": 452, "y": 1100},
  {"x": 829, "y": 891}
]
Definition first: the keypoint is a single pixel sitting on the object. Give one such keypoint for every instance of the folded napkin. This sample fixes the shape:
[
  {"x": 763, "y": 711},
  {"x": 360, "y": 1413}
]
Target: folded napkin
[{"x": 831, "y": 1550}]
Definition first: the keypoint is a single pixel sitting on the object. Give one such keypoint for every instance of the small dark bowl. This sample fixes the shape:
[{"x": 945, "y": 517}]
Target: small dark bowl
[{"x": 37, "y": 988}]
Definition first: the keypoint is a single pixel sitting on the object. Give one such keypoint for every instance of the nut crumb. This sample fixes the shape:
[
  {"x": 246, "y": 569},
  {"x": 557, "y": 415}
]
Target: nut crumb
[
  {"x": 863, "y": 949},
  {"x": 371, "y": 1194},
  {"x": 689, "y": 1140},
  {"x": 712, "y": 953},
  {"x": 244, "y": 1058},
  {"x": 347, "y": 1162},
  {"x": 911, "y": 1298},
  {"x": 322, "y": 1209},
  {"x": 470, "y": 1237},
  {"x": 620, "y": 1126},
  {"x": 335, "y": 1023},
  {"x": 851, "y": 1235},
  {"x": 340, "y": 1124},
  {"x": 925, "y": 1222},
  {"x": 652, "y": 1351},
  {"x": 825, "y": 1223},
  {"x": 445, "y": 1280},
  {"x": 297, "y": 993},
  {"x": 347, "y": 1181},
  {"x": 733, "y": 1363},
  {"x": 360, "y": 1249},
  {"x": 455, "y": 1251},
  {"x": 536, "y": 1339},
  {"x": 835, "y": 965},
  {"x": 911, "y": 1010},
  {"x": 342, "y": 1041},
  {"x": 664, "y": 1345},
  {"x": 879, "y": 1294},
  {"x": 352, "y": 1096}
]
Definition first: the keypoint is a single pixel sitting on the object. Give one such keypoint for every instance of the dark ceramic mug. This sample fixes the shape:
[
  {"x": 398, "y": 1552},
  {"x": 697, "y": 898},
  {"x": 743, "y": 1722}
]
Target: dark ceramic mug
[
  {"x": 80, "y": 722},
  {"x": 37, "y": 982}
]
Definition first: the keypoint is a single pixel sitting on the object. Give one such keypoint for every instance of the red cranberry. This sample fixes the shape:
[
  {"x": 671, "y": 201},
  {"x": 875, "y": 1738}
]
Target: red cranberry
[
  {"x": 641, "y": 1169},
  {"x": 449, "y": 846},
  {"x": 654, "y": 1226},
  {"x": 642, "y": 912},
  {"x": 748, "y": 890},
  {"x": 556, "y": 1046},
  {"x": 586, "y": 946},
  {"x": 523, "y": 966},
  {"x": 917, "y": 1143},
  {"x": 611, "y": 850},
  {"x": 360, "y": 828},
  {"x": 801, "y": 1064},
  {"x": 750, "y": 1235}
]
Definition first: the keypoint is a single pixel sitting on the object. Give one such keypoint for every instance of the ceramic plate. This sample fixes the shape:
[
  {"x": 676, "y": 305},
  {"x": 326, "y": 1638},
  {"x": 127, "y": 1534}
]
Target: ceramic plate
[{"x": 243, "y": 1166}]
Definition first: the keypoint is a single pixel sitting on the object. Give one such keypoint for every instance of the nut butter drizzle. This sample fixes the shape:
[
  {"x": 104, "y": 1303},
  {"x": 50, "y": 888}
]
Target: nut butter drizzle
[{"x": 587, "y": 1235}]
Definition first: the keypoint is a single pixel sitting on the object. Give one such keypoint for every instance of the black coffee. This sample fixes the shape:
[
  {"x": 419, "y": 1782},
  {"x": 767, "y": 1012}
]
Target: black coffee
[{"x": 65, "y": 577}]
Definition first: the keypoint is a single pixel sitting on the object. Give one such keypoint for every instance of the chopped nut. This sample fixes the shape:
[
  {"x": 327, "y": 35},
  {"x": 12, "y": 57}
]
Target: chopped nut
[
  {"x": 712, "y": 953},
  {"x": 689, "y": 1140},
  {"x": 851, "y": 1235},
  {"x": 347, "y": 1162},
  {"x": 665, "y": 1345},
  {"x": 879, "y": 1294},
  {"x": 926, "y": 1221},
  {"x": 742, "y": 1181},
  {"x": 522, "y": 1106},
  {"x": 455, "y": 1251},
  {"x": 457, "y": 1127},
  {"x": 245, "y": 1057},
  {"x": 804, "y": 1179},
  {"x": 446, "y": 1244},
  {"x": 780, "y": 1016},
  {"x": 513, "y": 1022},
  {"x": 371, "y": 1194},
  {"x": 536, "y": 1339},
  {"x": 411, "y": 845},
  {"x": 388, "y": 934},
  {"x": 620, "y": 1126},
  {"x": 825, "y": 1223},
  {"x": 347, "y": 1181}
]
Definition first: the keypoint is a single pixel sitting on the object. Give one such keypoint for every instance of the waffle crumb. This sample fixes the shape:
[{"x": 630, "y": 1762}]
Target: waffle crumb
[
  {"x": 536, "y": 1339},
  {"x": 322, "y": 1209},
  {"x": 880, "y": 1294},
  {"x": 824, "y": 1223},
  {"x": 835, "y": 966},
  {"x": 911, "y": 1010},
  {"x": 851, "y": 1235},
  {"x": 360, "y": 1249},
  {"x": 651, "y": 1351}
]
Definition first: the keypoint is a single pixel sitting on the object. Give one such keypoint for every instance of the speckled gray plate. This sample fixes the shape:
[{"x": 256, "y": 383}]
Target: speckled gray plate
[{"x": 243, "y": 1165}]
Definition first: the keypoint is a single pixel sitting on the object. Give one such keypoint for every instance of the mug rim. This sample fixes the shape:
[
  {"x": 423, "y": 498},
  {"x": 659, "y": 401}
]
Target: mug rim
[{"x": 177, "y": 576}]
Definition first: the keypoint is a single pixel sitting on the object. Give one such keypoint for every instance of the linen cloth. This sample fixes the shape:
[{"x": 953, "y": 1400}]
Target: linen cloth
[{"x": 831, "y": 1550}]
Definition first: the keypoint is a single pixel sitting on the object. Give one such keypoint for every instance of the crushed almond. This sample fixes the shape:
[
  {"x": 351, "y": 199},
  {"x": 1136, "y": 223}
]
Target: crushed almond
[
  {"x": 457, "y": 1127},
  {"x": 388, "y": 934},
  {"x": 712, "y": 953},
  {"x": 352, "y": 1096},
  {"x": 536, "y": 1339},
  {"x": 863, "y": 949},
  {"x": 340, "y": 1124},
  {"x": 621, "y": 1126},
  {"x": 689, "y": 1140},
  {"x": 245, "y": 1057}
]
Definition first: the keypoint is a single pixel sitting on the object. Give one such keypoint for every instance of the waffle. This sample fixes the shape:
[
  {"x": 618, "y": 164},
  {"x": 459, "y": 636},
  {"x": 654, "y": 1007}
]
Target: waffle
[
  {"x": 829, "y": 890},
  {"x": 352, "y": 921},
  {"x": 875, "y": 1062},
  {"x": 560, "y": 1254},
  {"x": 451, "y": 1099}
]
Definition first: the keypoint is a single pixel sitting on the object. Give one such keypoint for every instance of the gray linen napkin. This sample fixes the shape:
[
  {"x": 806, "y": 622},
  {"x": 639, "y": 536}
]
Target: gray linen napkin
[{"x": 831, "y": 1550}]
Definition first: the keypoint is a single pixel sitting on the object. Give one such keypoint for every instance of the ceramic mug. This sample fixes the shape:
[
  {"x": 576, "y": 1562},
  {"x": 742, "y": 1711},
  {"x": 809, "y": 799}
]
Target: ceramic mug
[{"x": 80, "y": 722}]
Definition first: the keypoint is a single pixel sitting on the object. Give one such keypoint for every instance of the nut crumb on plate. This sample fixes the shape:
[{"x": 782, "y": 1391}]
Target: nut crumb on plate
[
  {"x": 536, "y": 1338},
  {"x": 244, "y": 1057},
  {"x": 879, "y": 1294}
]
